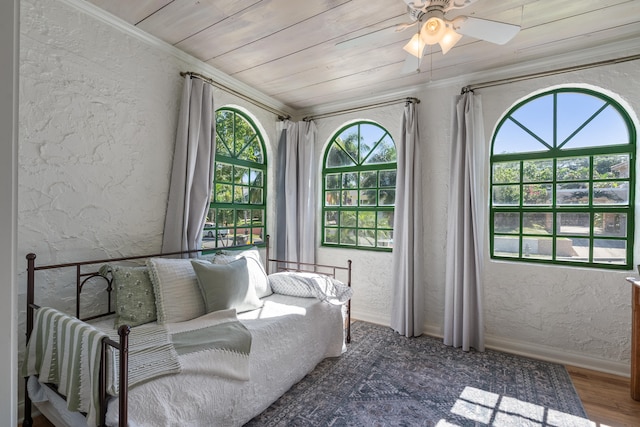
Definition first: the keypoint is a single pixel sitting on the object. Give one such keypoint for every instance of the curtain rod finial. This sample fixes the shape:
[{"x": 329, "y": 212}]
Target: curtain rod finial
[{"x": 466, "y": 89}]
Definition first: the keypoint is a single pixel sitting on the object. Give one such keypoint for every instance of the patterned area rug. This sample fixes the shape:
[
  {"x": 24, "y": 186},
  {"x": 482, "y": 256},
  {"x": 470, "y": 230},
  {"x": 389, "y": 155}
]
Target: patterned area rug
[{"x": 385, "y": 379}]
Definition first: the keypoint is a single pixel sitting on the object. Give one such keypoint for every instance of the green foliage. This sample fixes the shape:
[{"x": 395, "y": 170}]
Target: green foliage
[
  {"x": 239, "y": 178},
  {"x": 349, "y": 148},
  {"x": 236, "y": 137},
  {"x": 362, "y": 190}
]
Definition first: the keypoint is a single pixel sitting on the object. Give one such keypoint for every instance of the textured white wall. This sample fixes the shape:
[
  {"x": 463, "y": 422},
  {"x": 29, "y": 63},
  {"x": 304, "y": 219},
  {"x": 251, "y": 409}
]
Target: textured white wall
[
  {"x": 98, "y": 115},
  {"x": 584, "y": 312},
  {"x": 97, "y": 124}
]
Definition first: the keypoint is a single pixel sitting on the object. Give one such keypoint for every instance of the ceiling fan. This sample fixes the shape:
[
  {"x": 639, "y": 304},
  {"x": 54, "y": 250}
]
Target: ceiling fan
[{"x": 434, "y": 28}]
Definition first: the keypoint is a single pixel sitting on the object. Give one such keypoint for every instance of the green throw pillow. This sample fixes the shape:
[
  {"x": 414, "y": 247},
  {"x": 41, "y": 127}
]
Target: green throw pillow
[
  {"x": 226, "y": 286},
  {"x": 257, "y": 273},
  {"x": 135, "y": 299}
]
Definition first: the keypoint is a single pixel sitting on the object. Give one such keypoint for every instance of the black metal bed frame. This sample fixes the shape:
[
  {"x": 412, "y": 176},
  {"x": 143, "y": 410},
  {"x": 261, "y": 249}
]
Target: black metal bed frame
[{"x": 122, "y": 345}]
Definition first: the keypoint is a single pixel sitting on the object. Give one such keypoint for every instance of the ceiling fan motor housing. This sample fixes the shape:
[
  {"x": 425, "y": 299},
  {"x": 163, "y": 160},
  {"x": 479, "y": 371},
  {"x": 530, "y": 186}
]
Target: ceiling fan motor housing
[
  {"x": 443, "y": 5},
  {"x": 438, "y": 4}
]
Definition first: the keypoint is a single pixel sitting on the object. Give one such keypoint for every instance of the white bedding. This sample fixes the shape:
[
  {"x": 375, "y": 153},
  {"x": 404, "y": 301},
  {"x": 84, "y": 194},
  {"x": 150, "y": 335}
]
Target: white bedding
[{"x": 290, "y": 336}]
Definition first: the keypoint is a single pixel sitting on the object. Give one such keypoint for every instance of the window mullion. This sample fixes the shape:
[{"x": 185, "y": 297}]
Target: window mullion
[
  {"x": 228, "y": 211},
  {"x": 603, "y": 167},
  {"x": 582, "y": 126},
  {"x": 365, "y": 214}
]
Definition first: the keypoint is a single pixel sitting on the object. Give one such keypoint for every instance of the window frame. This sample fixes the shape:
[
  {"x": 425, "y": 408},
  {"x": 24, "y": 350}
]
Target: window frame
[
  {"x": 234, "y": 161},
  {"x": 554, "y": 154},
  {"x": 358, "y": 169}
]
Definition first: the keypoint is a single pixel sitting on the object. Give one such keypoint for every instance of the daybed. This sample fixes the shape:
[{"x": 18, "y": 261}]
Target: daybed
[{"x": 215, "y": 357}]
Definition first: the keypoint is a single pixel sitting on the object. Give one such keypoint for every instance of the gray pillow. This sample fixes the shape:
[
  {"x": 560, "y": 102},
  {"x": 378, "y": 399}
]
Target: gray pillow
[
  {"x": 226, "y": 286},
  {"x": 134, "y": 296},
  {"x": 257, "y": 273}
]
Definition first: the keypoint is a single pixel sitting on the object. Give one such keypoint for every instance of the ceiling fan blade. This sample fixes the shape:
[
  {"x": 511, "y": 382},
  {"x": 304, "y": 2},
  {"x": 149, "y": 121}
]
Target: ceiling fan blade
[
  {"x": 402, "y": 27},
  {"x": 485, "y": 29}
]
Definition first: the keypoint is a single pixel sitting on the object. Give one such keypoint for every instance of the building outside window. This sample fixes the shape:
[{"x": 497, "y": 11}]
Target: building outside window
[
  {"x": 238, "y": 201},
  {"x": 563, "y": 180},
  {"x": 359, "y": 188}
]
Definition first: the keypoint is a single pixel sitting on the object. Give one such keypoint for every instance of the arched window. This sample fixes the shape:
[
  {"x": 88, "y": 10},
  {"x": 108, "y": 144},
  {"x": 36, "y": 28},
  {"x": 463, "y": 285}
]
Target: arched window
[
  {"x": 563, "y": 180},
  {"x": 359, "y": 188},
  {"x": 237, "y": 209}
]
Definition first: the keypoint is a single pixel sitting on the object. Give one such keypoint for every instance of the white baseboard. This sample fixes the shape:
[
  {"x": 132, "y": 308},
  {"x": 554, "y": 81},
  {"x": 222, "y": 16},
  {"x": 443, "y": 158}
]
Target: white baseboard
[
  {"x": 522, "y": 348},
  {"x": 552, "y": 354},
  {"x": 369, "y": 317}
]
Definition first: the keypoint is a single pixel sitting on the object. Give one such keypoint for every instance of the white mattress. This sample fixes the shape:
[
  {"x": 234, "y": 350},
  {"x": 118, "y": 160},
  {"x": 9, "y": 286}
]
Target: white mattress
[{"x": 290, "y": 336}]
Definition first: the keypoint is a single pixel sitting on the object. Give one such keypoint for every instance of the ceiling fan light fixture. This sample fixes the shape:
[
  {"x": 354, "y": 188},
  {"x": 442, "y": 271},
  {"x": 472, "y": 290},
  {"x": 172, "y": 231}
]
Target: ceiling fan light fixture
[
  {"x": 449, "y": 39},
  {"x": 433, "y": 30},
  {"x": 415, "y": 46}
]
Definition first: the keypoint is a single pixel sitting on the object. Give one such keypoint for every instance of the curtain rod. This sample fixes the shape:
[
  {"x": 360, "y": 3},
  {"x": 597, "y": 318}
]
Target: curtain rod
[
  {"x": 281, "y": 114},
  {"x": 471, "y": 87},
  {"x": 364, "y": 107}
]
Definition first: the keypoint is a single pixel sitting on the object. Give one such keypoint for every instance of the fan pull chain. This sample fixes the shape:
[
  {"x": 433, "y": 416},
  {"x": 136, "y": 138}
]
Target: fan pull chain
[{"x": 430, "y": 63}]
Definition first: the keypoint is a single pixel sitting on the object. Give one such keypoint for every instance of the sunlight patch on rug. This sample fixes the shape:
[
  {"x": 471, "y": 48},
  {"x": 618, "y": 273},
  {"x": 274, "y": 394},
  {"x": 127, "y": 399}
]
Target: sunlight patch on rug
[{"x": 495, "y": 410}]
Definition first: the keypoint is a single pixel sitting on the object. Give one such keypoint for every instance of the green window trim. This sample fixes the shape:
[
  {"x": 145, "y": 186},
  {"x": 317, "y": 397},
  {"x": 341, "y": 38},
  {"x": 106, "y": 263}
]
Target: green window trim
[
  {"x": 568, "y": 198},
  {"x": 237, "y": 211},
  {"x": 358, "y": 188}
]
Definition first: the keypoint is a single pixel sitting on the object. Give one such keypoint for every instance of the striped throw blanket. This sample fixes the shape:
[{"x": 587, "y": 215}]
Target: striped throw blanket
[
  {"x": 151, "y": 355},
  {"x": 76, "y": 372},
  {"x": 65, "y": 351}
]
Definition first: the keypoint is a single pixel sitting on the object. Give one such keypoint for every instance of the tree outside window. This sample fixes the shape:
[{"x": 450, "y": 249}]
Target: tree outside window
[
  {"x": 238, "y": 201},
  {"x": 359, "y": 188}
]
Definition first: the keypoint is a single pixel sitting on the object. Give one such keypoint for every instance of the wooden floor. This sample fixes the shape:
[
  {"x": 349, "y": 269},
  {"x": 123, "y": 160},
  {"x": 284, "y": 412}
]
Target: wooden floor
[{"x": 605, "y": 397}]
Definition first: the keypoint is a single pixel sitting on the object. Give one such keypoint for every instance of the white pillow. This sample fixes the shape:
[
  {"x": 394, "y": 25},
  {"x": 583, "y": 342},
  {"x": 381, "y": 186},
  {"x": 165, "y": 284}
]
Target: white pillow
[
  {"x": 308, "y": 284},
  {"x": 292, "y": 283},
  {"x": 178, "y": 296},
  {"x": 257, "y": 274}
]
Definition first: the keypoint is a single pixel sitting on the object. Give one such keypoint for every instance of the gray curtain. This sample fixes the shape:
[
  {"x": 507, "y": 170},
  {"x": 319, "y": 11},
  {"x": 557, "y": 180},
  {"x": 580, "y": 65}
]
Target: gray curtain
[
  {"x": 192, "y": 171},
  {"x": 296, "y": 192},
  {"x": 407, "y": 311},
  {"x": 464, "y": 319},
  {"x": 281, "y": 202}
]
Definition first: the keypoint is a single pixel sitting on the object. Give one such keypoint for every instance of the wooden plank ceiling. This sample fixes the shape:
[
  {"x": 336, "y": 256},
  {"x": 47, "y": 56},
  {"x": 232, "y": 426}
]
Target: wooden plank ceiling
[{"x": 322, "y": 52}]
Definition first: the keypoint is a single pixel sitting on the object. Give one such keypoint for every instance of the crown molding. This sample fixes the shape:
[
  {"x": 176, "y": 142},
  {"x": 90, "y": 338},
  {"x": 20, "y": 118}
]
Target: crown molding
[
  {"x": 545, "y": 63},
  {"x": 358, "y": 103},
  {"x": 194, "y": 63}
]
